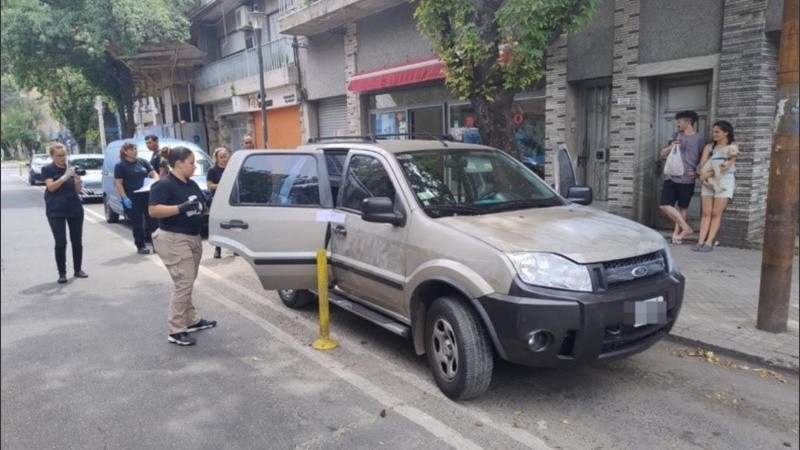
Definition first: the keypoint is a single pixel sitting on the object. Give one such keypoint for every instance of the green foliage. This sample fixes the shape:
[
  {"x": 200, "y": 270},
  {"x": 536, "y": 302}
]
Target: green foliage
[
  {"x": 19, "y": 120},
  {"x": 494, "y": 49}
]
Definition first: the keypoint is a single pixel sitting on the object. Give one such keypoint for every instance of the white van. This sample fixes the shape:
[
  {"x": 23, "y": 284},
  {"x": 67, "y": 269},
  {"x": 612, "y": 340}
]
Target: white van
[{"x": 112, "y": 203}]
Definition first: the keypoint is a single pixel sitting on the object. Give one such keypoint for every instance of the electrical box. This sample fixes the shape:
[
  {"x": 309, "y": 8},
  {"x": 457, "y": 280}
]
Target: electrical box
[{"x": 242, "y": 16}]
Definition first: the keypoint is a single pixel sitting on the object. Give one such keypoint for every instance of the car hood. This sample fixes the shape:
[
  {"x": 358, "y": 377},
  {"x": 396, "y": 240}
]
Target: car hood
[
  {"x": 93, "y": 176},
  {"x": 582, "y": 234}
]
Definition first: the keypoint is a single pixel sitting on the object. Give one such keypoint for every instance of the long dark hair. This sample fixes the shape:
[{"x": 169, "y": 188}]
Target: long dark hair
[{"x": 726, "y": 127}]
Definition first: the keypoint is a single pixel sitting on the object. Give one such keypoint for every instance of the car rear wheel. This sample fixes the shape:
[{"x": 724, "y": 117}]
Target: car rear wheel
[
  {"x": 459, "y": 351},
  {"x": 111, "y": 216},
  {"x": 295, "y": 299},
  {"x": 31, "y": 179}
]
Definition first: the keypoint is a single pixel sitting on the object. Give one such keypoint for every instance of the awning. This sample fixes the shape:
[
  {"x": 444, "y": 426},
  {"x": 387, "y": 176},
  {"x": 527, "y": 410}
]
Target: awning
[{"x": 401, "y": 75}]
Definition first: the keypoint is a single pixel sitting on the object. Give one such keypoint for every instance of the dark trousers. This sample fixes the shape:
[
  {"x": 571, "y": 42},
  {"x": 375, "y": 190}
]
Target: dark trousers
[
  {"x": 141, "y": 223},
  {"x": 59, "y": 227}
]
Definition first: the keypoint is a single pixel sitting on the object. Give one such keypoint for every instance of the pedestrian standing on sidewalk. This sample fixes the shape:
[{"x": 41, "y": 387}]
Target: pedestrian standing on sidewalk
[
  {"x": 151, "y": 141},
  {"x": 220, "y": 157},
  {"x": 177, "y": 202},
  {"x": 248, "y": 143},
  {"x": 714, "y": 202},
  {"x": 64, "y": 209},
  {"x": 679, "y": 190},
  {"x": 129, "y": 175}
]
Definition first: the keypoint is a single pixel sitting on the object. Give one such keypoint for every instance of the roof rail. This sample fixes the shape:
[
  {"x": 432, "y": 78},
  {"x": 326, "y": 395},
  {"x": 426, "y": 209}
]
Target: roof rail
[
  {"x": 314, "y": 140},
  {"x": 417, "y": 135}
]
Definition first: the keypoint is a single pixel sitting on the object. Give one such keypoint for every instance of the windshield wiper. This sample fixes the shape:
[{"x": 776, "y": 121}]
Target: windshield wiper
[
  {"x": 444, "y": 210},
  {"x": 520, "y": 204}
]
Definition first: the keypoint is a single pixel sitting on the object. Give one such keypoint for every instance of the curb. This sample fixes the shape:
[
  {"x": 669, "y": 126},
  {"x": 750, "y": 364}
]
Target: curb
[{"x": 774, "y": 363}]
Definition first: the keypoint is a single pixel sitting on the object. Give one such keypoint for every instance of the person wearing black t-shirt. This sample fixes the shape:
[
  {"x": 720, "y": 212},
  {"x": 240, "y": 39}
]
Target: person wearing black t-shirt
[
  {"x": 64, "y": 208},
  {"x": 129, "y": 175},
  {"x": 221, "y": 157},
  {"x": 151, "y": 141},
  {"x": 177, "y": 202}
]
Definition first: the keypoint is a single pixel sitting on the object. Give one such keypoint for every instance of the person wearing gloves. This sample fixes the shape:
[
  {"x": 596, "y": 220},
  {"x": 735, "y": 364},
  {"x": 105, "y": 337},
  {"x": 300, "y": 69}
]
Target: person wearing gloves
[
  {"x": 129, "y": 175},
  {"x": 64, "y": 208},
  {"x": 177, "y": 202}
]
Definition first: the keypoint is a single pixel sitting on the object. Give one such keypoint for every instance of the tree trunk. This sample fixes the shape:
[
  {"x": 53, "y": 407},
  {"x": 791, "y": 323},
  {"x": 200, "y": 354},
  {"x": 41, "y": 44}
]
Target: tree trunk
[{"x": 494, "y": 123}]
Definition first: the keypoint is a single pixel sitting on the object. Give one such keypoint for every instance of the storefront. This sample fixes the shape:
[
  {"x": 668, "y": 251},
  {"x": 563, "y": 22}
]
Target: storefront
[{"x": 430, "y": 110}]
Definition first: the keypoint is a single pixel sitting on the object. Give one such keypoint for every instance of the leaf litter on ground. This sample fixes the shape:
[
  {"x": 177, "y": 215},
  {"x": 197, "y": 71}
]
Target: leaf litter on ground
[{"x": 709, "y": 357}]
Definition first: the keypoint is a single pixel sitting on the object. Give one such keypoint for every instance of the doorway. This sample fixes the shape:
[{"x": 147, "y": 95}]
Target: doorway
[
  {"x": 594, "y": 148},
  {"x": 687, "y": 92}
]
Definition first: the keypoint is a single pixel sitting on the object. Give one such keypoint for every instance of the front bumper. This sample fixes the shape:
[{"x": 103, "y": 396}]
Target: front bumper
[
  {"x": 92, "y": 193},
  {"x": 584, "y": 326}
]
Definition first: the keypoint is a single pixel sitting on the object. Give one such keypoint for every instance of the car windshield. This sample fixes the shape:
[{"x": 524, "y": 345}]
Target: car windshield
[
  {"x": 202, "y": 163},
  {"x": 88, "y": 163},
  {"x": 469, "y": 182}
]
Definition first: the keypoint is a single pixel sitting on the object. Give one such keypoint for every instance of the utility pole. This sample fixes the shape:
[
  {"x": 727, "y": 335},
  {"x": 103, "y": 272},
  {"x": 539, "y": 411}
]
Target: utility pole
[
  {"x": 98, "y": 105},
  {"x": 782, "y": 196}
]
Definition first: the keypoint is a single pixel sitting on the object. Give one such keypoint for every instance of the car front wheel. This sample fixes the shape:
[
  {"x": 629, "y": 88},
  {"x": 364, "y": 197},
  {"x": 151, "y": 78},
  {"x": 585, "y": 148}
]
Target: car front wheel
[
  {"x": 459, "y": 351},
  {"x": 31, "y": 179},
  {"x": 295, "y": 299}
]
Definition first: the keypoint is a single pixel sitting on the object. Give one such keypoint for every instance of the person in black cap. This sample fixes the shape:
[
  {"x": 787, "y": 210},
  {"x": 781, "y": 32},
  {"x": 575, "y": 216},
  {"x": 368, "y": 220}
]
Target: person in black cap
[{"x": 177, "y": 202}]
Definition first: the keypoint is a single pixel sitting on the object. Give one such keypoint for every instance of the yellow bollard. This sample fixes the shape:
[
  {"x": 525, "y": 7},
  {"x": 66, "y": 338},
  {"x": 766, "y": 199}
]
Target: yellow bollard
[{"x": 323, "y": 342}]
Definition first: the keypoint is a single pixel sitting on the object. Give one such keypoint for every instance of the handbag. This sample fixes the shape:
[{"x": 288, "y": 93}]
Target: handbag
[{"x": 674, "y": 165}]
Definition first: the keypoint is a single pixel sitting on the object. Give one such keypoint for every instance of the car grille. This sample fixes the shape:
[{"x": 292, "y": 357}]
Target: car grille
[{"x": 628, "y": 270}]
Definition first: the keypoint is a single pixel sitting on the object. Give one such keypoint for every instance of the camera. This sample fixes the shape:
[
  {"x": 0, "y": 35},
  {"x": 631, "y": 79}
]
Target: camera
[{"x": 79, "y": 171}]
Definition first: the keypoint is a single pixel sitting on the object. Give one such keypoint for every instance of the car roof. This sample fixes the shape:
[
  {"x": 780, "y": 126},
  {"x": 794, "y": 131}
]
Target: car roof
[
  {"x": 86, "y": 156},
  {"x": 397, "y": 146},
  {"x": 162, "y": 142},
  {"x": 41, "y": 156}
]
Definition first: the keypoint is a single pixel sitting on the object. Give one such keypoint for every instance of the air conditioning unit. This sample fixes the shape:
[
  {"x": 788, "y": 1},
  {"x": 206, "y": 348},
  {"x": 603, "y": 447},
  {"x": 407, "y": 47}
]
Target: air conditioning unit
[
  {"x": 240, "y": 103},
  {"x": 242, "y": 16}
]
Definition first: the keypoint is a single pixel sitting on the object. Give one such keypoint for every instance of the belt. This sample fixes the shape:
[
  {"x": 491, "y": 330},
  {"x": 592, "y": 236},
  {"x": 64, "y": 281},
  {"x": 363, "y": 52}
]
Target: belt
[{"x": 191, "y": 231}]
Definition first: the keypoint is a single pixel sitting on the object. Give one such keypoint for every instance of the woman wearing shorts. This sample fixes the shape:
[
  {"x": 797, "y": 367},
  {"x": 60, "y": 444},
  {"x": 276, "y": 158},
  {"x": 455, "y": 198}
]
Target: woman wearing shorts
[{"x": 714, "y": 202}]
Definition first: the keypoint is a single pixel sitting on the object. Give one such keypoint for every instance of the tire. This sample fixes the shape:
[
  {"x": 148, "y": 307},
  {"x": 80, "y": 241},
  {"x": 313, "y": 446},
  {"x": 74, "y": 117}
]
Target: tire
[
  {"x": 458, "y": 350},
  {"x": 31, "y": 179},
  {"x": 111, "y": 216},
  {"x": 296, "y": 299}
]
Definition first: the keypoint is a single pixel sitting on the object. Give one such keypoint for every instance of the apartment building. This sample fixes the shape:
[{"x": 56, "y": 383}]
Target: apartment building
[{"x": 610, "y": 92}]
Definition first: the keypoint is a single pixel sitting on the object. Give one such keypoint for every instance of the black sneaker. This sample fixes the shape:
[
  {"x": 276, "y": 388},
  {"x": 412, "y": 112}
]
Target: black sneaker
[
  {"x": 62, "y": 278},
  {"x": 143, "y": 251},
  {"x": 81, "y": 274},
  {"x": 181, "y": 339},
  {"x": 202, "y": 324},
  {"x": 217, "y": 253}
]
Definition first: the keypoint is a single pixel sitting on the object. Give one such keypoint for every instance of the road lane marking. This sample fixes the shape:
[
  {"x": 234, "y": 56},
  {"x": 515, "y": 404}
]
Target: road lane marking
[
  {"x": 435, "y": 427},
  {"x": 517, "y": 434}
]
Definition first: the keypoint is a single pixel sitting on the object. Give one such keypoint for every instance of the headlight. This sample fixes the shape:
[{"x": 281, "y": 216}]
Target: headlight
[
  {"x": 553, "y": 271},
  {"x": 672, "y": 264}
]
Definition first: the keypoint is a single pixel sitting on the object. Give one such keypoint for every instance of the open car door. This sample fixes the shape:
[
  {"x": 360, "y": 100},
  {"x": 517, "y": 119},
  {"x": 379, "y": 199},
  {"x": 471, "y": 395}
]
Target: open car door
[{"x": 271, "y": 208}]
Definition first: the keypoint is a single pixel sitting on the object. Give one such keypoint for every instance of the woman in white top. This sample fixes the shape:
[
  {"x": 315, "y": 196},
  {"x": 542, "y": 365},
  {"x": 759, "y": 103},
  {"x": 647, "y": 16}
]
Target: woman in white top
[{"x": 715, "y": 201}]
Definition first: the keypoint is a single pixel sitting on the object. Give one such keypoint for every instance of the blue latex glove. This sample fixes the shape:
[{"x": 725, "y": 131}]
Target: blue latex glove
[{"x": 127, "y": 203}]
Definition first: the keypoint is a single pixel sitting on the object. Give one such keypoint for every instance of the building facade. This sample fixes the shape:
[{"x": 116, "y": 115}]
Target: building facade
[{"x": 610, "y": 93}]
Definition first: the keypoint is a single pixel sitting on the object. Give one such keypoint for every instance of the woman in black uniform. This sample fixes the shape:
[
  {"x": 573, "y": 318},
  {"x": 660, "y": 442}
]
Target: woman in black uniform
[
  {"x": 177, "y": 202},
  {"x": 221, "y": 157},
  {"x": 129, "y": 175},
  {"x": 64, "y": 208}
]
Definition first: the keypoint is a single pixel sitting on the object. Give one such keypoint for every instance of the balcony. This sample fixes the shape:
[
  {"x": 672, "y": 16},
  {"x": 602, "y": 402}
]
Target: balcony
[
  {"x": 238, "y": 74},
  {"x": 310, "y": 17}
]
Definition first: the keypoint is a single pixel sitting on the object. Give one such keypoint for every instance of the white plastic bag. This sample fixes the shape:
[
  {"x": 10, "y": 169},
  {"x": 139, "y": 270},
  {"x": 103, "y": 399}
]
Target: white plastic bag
[{"x": 674, "y": 165}]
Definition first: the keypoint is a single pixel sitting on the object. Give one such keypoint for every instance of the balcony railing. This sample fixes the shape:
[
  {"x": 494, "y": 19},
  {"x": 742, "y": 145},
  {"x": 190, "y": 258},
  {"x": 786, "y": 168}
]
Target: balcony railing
[{"x": 276, "y": 54}]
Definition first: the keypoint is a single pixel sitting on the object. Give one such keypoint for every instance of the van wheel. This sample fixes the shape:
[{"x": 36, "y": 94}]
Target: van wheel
[
  {"x": 295, "y": 299},
  {"x": 111, "y": 216},
  {"x": 458, "y": 349}
]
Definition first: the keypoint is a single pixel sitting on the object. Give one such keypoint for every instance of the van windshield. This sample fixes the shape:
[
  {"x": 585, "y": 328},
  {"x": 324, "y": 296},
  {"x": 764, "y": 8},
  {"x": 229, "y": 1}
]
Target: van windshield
[
  {"x": 468, "y": 182},
  {"x": 202, "y": 163}
]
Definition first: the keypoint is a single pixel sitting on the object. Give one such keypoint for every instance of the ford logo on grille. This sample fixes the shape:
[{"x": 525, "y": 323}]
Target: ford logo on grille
[{"x": 640, "y": 271}]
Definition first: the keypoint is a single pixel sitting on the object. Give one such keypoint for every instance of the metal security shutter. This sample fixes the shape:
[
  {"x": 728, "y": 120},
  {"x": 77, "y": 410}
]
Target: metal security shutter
[{"x": 332, "y": 116}]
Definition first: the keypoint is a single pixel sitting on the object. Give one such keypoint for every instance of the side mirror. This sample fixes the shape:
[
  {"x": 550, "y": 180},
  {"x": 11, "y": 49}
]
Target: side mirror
[
  {"x": 381, "y": 210},
  {"x": 581, "y": 195}
]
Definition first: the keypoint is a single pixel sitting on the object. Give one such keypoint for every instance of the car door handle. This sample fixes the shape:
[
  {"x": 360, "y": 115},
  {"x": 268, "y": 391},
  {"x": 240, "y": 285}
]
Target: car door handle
[
  {"x": 340, "y": 231},
  {"x": 234, "y": 224}
]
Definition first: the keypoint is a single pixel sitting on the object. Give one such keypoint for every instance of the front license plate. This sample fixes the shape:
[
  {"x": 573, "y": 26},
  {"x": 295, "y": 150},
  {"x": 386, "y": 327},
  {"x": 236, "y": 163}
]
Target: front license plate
[{"x": 646, "y": 312}]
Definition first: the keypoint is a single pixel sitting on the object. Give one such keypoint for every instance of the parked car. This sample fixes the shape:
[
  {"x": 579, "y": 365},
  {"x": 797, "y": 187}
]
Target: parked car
[
  {"x": 112, "y": 203},
  {"x": 457, "y": 246},
  {"x": 92, "y": 180},
  {"x": 35, "y": 170}
]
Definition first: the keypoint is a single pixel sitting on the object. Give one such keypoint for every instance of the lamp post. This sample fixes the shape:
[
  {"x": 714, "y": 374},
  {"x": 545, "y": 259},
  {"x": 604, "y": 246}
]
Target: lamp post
[{"x": 257, "y": 19}]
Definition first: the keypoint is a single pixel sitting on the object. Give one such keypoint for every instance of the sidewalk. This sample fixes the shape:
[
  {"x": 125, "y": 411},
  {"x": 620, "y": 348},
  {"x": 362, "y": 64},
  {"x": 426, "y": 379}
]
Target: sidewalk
[{"x": 720, "y": 306}]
